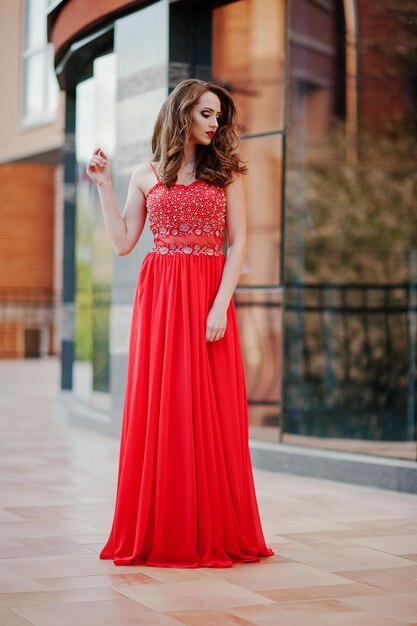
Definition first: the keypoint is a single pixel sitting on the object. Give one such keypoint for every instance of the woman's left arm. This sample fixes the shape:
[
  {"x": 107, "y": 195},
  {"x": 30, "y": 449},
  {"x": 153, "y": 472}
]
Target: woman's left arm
[{"x": 236, "y": 239}]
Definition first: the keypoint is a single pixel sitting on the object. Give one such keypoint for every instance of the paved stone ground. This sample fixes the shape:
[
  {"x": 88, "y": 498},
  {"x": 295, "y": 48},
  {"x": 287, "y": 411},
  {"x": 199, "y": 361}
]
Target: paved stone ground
[{"x": 345, "y": 555}]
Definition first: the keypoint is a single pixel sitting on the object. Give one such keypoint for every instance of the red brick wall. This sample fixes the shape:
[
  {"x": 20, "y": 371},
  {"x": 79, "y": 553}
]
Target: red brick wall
[
  {"x": 11, "y": 340},
  {"x": 27, "y": 221},
  {"x": 382, "y": 82}
]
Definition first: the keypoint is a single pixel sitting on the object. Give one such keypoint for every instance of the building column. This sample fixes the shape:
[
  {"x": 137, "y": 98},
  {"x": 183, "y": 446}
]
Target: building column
[{"x": 68, "y": 263}]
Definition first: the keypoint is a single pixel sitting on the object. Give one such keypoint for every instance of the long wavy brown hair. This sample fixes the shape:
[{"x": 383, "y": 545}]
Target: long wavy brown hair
[{"x": 216, "y": 162}]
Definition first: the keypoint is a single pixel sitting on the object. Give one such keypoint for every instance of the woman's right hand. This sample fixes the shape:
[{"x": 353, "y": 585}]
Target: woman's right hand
[{"x": 99, "y": 168}]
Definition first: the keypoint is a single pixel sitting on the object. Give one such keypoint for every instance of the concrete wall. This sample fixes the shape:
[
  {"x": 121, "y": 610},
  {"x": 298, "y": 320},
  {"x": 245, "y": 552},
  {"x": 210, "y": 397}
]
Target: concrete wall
[
  {"x": 17, "y": 140},
  {"x": 30, "y": 201}
]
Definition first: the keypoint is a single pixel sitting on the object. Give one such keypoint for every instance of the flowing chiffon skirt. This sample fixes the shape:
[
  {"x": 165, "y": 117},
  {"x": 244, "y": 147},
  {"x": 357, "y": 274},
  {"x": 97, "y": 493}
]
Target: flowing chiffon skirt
[{"x": 185, "y": 491}]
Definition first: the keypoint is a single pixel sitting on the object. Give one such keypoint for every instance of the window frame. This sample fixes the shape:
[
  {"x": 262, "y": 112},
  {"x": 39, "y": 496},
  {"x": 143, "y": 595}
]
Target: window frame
[{"x": 46, "y": 51}]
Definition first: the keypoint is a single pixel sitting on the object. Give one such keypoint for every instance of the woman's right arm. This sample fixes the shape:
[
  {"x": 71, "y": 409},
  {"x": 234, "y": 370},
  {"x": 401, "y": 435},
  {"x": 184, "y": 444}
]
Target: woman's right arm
[{"x": 123, "y": 230}]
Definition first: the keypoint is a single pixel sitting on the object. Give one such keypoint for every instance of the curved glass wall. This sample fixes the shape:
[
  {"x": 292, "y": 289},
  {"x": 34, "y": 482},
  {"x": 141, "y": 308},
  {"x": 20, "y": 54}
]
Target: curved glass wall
[
  {"x": 327, "y": 297},
  {"x": 350, "y": 263},
  {"x": 248, "y": 58},
  {"x": 95, "y": 125}
]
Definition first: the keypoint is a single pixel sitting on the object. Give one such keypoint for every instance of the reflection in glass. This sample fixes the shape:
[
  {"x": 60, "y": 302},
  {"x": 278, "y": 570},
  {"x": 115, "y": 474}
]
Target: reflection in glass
[
  {"x": 53, "y": 87},
  {"x": 95, "y": 122},
  {"x": 35, "y": 23},
  {"x": 350, "y": 258},
  {"x": 248, "y": 58},
  {"x": 143, "y": 39},
  {"x": 39, "y": 87},
  {"x": 259, "y": 314},
  {"x": 263, "y": 200},
  {"x": 34, "y": 72}
]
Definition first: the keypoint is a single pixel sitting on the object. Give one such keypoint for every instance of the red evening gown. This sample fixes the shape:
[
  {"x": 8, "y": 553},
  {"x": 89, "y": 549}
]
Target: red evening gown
[{"x": 185, "y": 491}]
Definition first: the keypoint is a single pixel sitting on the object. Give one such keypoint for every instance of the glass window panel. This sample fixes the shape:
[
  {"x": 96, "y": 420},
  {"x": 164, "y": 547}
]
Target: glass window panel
[
  {"x": 40, "y": 87},
  {"x": 34, "y": 92},
  {"x": 35, "y": 31},
  {"x": 144, "y": 35},
  {"x": 248, "y": 57},
  {"x": 263, "y": 200},
  {"x": 105, "y": 108},
  {"x": 95, "y": 125},
  {"x": 102, "y": 250},
  {"x": 259, "y": 315},
  {"x": 85, "y": 115},
  {"x": 351, "y": 259},
  {"x": 53, "y": 87}
]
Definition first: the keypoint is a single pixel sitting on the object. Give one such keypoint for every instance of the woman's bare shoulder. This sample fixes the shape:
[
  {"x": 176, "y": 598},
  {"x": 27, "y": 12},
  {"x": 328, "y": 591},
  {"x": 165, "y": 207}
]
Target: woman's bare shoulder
[
  {"x": 142, "y": 169},
  {"x": 142, "y": 176},
  {"x": 235, "y": 182}
]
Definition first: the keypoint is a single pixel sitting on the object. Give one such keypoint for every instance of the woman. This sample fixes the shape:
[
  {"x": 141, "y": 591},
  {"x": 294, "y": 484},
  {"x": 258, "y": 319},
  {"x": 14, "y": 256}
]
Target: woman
[{"x": 185, "y": 492}]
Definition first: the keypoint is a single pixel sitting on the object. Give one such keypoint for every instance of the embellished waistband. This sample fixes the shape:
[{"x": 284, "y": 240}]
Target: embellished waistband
[{"x": 194, "y": 249}]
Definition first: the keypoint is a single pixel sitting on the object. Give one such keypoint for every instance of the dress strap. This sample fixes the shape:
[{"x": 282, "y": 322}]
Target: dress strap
[{"x": 155, "y": 172}]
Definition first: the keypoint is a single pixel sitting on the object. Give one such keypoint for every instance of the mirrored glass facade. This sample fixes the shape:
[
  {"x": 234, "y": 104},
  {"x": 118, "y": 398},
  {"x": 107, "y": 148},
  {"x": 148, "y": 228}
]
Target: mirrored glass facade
[
  {"x": 350, "y": 252},
  {"x": 248, "y": 58},
  {"x": 95, "y": 125},
  {"x": 327, "y": 297}
]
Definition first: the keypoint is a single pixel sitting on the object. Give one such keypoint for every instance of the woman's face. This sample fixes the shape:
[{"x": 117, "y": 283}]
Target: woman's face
[{"x": 205, "y": 118}]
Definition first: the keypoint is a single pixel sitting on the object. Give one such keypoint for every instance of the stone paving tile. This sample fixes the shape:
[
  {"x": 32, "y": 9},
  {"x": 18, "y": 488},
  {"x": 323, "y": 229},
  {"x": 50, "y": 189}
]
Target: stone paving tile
[
  {"x": 192, "y": 594},
  {"x": 35, "y": 598},
  {"x": 325, "y": 611},
  {"x": 399, "y": 606},
  {"x": 345, "y": 555},
  {"x": 393, "y": 544},
  {"x": 87, "y": 613},
  {"x": 389, "y": 579},
  {"x": 205, "y": 617}
]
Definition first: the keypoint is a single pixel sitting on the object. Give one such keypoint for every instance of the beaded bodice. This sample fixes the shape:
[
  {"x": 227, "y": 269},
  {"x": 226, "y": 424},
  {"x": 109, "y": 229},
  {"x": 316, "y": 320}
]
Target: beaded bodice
[{"x": 187, "y": 219}]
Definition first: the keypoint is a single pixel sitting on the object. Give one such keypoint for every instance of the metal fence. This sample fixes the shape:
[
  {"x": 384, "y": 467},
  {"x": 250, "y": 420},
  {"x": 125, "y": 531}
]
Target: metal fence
[{"x": 350, "y": 360}]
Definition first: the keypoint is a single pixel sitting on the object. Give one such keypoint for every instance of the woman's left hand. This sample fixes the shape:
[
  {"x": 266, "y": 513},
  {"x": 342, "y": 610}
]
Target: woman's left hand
[{"x": 216, "y": 323}]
